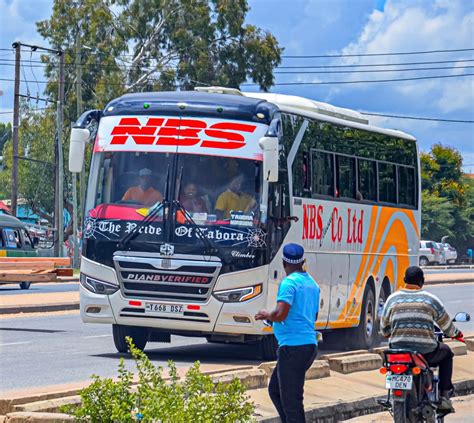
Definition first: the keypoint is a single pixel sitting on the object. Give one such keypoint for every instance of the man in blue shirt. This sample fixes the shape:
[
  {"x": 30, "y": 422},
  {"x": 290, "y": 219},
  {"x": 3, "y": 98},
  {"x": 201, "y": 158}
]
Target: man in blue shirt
[{"x": 293, "y": 320}]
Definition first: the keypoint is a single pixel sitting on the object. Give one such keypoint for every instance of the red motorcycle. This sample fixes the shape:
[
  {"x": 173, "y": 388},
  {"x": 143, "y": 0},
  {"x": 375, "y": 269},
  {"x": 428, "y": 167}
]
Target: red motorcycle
[{"x": 413, "y": 394}]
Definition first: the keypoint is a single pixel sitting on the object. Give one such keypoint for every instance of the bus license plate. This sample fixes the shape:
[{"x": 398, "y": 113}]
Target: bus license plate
[
  {"x": 402, "y": 382},
  {"x": 154, "y": 308}
]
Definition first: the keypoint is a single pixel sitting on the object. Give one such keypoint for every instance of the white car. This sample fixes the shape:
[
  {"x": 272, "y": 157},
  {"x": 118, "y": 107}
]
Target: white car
[
  {"x": 430, "y": 253},
  {"x": 450, "y": 253}
]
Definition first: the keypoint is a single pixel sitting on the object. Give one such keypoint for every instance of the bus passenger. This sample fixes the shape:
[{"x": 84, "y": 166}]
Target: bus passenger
[
  {"x": 233, "y": 199},
  {"x": 191, "y": 201},
  {"x": 143, "y": 193}
]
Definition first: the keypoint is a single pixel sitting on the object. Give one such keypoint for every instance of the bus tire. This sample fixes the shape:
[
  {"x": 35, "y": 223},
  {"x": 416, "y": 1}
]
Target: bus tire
[
  {"x": 269, "y": 347},
  {"x": 363, "y": 336},
  {"x": 384, "y": 294},
  {"x": 139, "y": 336},
  {"x": 25, "y": 285}
]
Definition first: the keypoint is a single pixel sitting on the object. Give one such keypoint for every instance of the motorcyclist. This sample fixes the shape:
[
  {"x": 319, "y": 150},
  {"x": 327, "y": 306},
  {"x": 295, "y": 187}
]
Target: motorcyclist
[{"x": 409, "y": 318}]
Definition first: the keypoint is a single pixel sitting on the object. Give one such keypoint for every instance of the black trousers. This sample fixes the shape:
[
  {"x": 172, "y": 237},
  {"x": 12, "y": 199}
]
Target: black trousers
[
  {"x": 443, "y": 358},
  {"x": 287, "y": 382}
]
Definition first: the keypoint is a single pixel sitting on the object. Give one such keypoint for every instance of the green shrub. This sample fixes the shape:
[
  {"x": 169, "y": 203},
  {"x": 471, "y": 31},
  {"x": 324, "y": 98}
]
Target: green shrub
[{"x": 192, "y": 400}]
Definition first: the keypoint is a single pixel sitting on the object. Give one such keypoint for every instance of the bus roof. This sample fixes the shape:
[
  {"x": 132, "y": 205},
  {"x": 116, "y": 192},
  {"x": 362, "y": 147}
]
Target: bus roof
[
  {"x": 10, "y": 221},
  {"x": 193, "y": 103},
  {"x": 313, "y": 109},
  {"x": 326, "y": 112},
  {"x": 250, "y": 106}
]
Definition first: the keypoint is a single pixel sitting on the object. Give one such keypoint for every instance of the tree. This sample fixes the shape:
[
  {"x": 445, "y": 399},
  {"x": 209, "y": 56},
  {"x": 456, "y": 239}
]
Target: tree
[
  {"x": 448, "y": 197},
  {"x": 144, "y": 45},
  {"x": 436, "y": 217},
  {"x": 5, "y": 134},
  {"x": 35, "y": 166}
]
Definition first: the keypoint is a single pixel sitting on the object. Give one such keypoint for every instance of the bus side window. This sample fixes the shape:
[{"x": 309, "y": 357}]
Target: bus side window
[
  {"x": 387, "y": 183},
  {"x": 2, "y": 239},
  {"x": 322, "y": 173},
  {"x": 367, "y": 180},
  {"x": 406, "y": 185},
  {"x": 12, "y": 238},
  {"x": 26, "y": 239},
  {"x": 345, "y": 176}
]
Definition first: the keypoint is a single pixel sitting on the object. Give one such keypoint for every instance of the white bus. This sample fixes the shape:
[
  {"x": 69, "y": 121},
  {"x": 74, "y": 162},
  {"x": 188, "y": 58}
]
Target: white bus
[{"x": 192, "y": 196}]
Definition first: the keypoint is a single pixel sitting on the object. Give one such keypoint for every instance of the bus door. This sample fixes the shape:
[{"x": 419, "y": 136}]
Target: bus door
[{"x": 339, "y": 265}]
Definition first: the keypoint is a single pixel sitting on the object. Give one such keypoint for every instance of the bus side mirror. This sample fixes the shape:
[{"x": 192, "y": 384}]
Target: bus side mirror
[
  {"x": 79, "y": 138},
  {"x": 269, "y": 145}
]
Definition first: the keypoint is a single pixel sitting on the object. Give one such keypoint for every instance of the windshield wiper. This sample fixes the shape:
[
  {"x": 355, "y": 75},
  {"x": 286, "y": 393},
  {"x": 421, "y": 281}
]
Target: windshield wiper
[{"x": 163, "y": 205}]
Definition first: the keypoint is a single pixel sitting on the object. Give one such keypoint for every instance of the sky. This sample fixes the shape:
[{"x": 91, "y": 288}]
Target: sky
[{"x": 335, "y": 27}]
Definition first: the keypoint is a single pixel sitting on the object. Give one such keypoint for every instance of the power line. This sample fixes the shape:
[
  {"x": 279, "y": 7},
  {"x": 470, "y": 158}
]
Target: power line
[
  {"x": 371, "y": 70},
  {"x": 418, "y": 118},
  {"x": 284, "y": 83},
  {"x": 436, "y": 62},
  {"x": 365, "y": 82},
  {"x": 376, "y": 54},
  {"x": 290, "y": 72}
]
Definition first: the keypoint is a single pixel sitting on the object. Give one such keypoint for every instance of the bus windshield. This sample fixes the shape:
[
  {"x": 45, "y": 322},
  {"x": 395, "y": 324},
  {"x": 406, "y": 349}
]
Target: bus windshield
[{"x": 209, "y": 191}]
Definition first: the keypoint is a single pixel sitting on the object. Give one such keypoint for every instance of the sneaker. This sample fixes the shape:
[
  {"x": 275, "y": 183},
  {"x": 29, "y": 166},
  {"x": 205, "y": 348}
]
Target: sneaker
[{"x": 445, "y": 405}]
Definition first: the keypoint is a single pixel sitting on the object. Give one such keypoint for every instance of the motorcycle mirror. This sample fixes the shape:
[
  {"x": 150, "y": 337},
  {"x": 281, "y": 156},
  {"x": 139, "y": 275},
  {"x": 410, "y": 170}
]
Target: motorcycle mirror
[{"x": 462, "y": 317}]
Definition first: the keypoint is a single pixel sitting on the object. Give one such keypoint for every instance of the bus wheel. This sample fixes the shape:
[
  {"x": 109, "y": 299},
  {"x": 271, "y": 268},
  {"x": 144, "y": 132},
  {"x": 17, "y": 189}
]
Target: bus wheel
[
  {"x": 269, "y": 347},
  {"x": 384, "y": 294},
  {"x": 25, "y": 285},
  {"x": 362, "y": 337},
  {"x": 139, "y": 336}
]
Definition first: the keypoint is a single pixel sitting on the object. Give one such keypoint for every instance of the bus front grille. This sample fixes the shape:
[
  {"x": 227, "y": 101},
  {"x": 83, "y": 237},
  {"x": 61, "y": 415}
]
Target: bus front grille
[{"x": 180, "y": 278}]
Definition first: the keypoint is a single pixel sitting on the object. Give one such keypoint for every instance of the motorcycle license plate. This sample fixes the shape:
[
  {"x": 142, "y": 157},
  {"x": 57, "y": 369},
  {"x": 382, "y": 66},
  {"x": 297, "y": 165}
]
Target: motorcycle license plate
[{"x": 402, "y": 382}]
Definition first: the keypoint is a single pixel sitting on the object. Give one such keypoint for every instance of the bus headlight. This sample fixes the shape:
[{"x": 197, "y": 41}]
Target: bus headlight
[
  {"x": 96, "y": 286},
  {"x": 239, "y": 294}
]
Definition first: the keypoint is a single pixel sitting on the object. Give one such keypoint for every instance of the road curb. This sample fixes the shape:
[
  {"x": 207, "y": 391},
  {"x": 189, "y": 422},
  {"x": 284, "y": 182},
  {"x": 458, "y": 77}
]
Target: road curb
[
  {"x": 39, "y": 308},
  {"x": 355, "y": 363},
  {"x": 339, "y": 411},
  {"x": 454, "y": 281}
]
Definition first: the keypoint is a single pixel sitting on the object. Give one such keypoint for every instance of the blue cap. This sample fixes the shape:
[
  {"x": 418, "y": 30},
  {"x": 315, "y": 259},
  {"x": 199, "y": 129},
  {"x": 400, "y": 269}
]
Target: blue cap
[{"x": 293, "y": 253}]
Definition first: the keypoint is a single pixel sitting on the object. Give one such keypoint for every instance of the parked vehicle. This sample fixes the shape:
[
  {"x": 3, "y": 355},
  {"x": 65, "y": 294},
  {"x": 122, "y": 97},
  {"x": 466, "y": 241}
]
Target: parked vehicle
[
  {"x": 430, "y": 253},
  {"x": 15, "y": 241},
  {"x": 442, "y": 253},
  {"x": 413, "y": 394},
  {"x": 450, "y": 253}
]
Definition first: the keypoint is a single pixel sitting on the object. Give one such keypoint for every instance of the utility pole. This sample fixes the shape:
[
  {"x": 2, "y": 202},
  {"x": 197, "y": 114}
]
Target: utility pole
[
  {"x": 59, "y": 163},
  {"x": 16, "y": 121},
  {"x": 74, "y": 176}
]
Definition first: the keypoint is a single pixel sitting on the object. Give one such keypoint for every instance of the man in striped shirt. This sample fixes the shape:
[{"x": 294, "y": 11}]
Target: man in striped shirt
[{"x": 408, "y": 319}]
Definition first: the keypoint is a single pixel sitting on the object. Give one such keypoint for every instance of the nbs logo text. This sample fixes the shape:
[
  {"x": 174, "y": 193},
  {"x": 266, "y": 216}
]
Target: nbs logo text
[{"x": 181, "y": 132}]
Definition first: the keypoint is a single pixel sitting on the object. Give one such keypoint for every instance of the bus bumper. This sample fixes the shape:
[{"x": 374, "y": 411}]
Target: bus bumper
[{"x": 212, "y": 317}]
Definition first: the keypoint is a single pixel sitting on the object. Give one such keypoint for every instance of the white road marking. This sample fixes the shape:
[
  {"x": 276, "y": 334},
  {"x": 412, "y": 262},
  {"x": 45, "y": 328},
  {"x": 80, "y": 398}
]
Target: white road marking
[
  {"x": 95, "y": 336},
  {"x": 15, "y": 343}
]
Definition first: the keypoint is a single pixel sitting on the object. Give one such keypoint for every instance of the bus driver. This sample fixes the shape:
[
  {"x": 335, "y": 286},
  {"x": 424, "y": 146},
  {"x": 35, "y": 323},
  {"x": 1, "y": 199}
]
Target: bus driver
[
  {"x": 143, "y": 193},
  {"x": 233, "y": 199}
]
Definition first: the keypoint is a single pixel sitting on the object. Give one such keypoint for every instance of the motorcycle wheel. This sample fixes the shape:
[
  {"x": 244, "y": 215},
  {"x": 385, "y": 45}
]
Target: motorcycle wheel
[{"x": 403, "y": 411}]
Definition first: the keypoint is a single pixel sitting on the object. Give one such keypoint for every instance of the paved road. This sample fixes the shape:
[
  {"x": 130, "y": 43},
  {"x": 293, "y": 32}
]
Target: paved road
[
  {"x": 457, "y": 297},
  {"x": 50, "y": 350},
  {"x": 60, "y": 349},
  {"x": 464, "y": 411},
  {"x": 39, "y": 288}
]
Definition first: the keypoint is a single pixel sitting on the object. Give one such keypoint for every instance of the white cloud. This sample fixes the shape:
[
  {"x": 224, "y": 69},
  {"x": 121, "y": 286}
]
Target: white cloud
[{"x": 416, "y": 25}]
